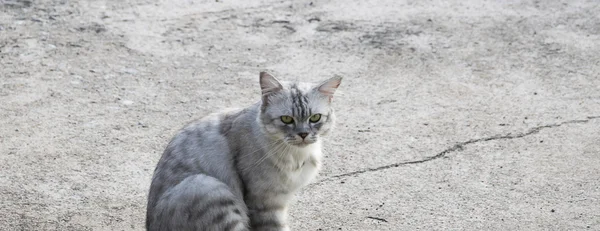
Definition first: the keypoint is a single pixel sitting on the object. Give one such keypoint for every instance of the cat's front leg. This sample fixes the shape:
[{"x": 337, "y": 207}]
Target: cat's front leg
[{"x": 268, "y": 216}]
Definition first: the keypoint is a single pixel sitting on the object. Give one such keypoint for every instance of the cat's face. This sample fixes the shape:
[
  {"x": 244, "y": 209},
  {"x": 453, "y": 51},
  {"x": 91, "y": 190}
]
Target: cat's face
[{"x": 297, "y": 113}]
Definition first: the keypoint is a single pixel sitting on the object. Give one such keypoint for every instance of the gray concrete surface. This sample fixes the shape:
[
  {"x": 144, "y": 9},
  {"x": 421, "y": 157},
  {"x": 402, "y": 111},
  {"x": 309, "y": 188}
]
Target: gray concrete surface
[{"x": 454, "y": 115}]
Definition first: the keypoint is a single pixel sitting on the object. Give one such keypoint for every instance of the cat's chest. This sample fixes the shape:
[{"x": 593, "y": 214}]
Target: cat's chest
[{"x": 307, "y": 169}]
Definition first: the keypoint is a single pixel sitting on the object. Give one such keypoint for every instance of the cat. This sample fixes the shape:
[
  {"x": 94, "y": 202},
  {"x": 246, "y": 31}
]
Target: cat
[{"x": 239, "y": 169}]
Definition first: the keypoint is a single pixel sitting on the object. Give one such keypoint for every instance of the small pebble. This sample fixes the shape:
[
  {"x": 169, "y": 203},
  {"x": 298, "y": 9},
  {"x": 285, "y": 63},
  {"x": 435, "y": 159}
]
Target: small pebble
[{"x": 127, "y": 102}]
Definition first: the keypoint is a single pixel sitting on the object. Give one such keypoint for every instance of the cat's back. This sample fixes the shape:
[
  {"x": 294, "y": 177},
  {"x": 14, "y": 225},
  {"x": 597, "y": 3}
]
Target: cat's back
[
  {"x": 215, "y": 127},
  {"x": 211, "y": 125}
]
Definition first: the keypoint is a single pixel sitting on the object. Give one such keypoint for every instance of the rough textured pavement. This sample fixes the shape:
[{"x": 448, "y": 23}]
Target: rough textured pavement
[{"x": 454, "y": 115}]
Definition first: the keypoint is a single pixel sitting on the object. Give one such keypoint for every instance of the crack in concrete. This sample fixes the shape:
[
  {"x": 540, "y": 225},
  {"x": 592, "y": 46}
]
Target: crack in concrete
[{"x": 460, "y": 146}]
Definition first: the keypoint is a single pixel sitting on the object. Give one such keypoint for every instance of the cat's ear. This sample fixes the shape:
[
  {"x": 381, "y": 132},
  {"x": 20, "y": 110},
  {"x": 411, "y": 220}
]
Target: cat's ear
[
  {"x": 269, "y": 84},
  {"x": 327, "y": 88}
]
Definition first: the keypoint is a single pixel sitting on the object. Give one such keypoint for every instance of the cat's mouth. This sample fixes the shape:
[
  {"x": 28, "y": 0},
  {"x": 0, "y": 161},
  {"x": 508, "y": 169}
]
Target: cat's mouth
[{"x": 301, "y": 143}]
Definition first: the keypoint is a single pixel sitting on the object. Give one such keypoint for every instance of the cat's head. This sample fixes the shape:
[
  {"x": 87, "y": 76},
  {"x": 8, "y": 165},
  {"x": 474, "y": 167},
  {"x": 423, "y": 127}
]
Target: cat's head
[{"x": 297, "y": 113}]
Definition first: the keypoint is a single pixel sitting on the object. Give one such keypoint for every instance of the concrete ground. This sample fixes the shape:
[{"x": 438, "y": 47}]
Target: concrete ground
[{"x": 453, "y": 115}]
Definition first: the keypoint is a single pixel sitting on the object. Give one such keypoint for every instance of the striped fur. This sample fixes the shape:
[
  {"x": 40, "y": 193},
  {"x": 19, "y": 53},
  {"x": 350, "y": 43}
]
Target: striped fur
[{"x": 238, "y": 169}]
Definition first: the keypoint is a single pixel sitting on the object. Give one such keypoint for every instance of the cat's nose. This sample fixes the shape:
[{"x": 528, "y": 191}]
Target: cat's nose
[{"x": 303, "y": 134}]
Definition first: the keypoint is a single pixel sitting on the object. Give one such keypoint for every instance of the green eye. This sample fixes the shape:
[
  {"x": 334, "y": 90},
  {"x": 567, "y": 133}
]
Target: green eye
[
  {"x": 287, "y": 119},
  {"x": 315, "y": 118}
]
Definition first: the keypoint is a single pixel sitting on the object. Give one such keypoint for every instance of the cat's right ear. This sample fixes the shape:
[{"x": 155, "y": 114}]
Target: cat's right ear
[{"x": 269, "y": 84}]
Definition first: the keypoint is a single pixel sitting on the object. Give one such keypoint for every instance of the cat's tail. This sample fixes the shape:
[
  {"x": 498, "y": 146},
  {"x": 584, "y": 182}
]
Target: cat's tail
[{"x": 199, "y": 202}]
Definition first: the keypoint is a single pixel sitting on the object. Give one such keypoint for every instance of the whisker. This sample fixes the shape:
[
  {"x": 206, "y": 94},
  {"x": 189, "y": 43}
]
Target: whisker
[
  {"x": 268, "y": 147},
  {"x": 276, "y": 152},
  {"x": 269, "y": 153},
  {"x": 260, "y": 148}
]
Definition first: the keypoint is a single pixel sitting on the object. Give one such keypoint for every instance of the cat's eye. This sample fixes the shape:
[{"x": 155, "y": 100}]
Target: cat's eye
[
  {"x": 287, "y": 119},
  {"x": 315, "y": 118}
]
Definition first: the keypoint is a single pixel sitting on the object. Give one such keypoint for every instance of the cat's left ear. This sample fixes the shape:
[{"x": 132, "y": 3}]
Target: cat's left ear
[{"x": 327, "y": 88}]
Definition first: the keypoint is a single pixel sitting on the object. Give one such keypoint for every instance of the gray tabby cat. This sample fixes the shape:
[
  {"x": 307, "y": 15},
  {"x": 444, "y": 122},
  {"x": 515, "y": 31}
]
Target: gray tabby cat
[{"x": 238, "y": 169}]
